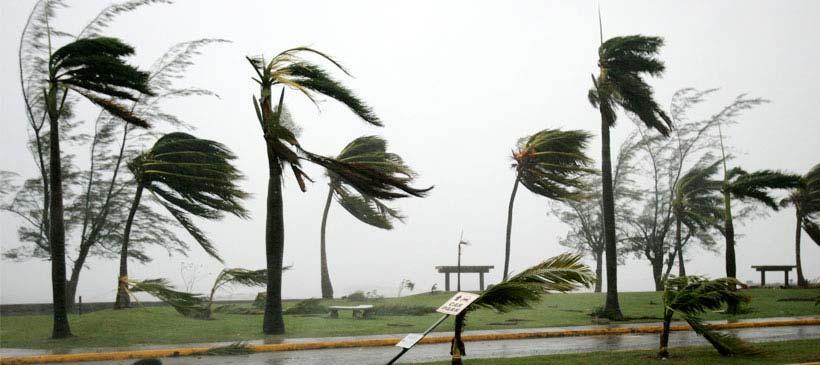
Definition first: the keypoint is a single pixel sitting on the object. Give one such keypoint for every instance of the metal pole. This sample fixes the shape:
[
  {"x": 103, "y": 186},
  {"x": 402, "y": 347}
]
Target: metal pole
[
  {"x": 403, "y": 350},
  {"x": 458, "y": 276}
]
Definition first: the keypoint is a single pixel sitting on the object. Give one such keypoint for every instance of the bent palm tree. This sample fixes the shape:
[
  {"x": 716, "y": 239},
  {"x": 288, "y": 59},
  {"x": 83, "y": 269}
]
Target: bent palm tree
[
  {"x": 806, "y": 201},
  {"x": 561, "y": 273},
  {"x": 755, "y": 186},
  {"x": 550, "y": 163},
  {"x": 622, "y": 62},
  {"x": 187, "y": 175},
  {"x": 370, "y": 152},
  {"x": 289, "y": 70},
  {"x": 690, "y": 296},
  {"x": 95, "y": 69},
  {"x": 695, "y": 204}
]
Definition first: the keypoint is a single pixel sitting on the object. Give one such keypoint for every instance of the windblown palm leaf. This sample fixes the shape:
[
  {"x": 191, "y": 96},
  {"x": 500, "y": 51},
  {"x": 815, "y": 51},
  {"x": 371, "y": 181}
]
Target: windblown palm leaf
[
  {"x": 695, "y": 201},
  {"x": 757, "y": 185},
  {"x": 191, "y": 175},
  {"x": 94, "y": 68},
  {"x": 623, "y": 60},
  {"x": 550, "y": 163},
  {"x": 561, "y": 273},
  {"x": 187, "y": 304},
  {"x": 691, "y": 296},
  {"x": 369, "y": 152}
]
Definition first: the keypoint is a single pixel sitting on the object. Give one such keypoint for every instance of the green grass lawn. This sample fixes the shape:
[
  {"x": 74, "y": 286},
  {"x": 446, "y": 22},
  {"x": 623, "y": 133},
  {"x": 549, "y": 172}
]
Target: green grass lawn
[
  {"x": 162, "y": 325},
  {"x": 786, "y": 352}
]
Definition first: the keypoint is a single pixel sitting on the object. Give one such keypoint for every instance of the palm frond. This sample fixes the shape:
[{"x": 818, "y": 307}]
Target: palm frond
[
  {"x": 622, "y": 61},
  {"x": 191, "y": 176},
  {"x": 187, "y": 304},
  {"x": 726, "y": 344},
  {"x": 552, "y": 163},
  {"x": 242, "y": 277},
  {"x": 756, "y": 185},
  {"x": 561, "y": 273}
]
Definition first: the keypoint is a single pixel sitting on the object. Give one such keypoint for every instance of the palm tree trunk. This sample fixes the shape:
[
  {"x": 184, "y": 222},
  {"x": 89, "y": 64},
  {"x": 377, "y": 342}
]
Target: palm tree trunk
[
  {"x": 509, "y": 228},
  {"x": 123, "y": 300},
  {"x": 599, "y": 261},
  {"x": 729, "y": 232},
  {"x": 457, "y": 346},
  {"x": 61, "y": 328},
  {"x": 679, "y": 247},
  {"x": 663, "y": 351},
  {"x": 801, "y": 281},
  {"x": 612, "y": 308},
  {"x": 327, "y": 286},
  {"x": 273, "y": 323}
]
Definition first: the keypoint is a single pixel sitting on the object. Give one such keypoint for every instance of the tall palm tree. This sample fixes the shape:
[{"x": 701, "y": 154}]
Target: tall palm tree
[
  {"x": 187, "y": 175},
  {"x": 622, "y": 62},
  {"x": 95, "y": 69},
  {"x": 690, "y": 296},
  {"x": 550, "y": 163},
  {"x": 289, "y": 70},
  {"x": 695, "y": 204},
  {"x": 561, "y": 273},
  {"x": 370, "y": 152},
  {"x": 755, "y": 187},
  {"x": 806, "y": 201}
]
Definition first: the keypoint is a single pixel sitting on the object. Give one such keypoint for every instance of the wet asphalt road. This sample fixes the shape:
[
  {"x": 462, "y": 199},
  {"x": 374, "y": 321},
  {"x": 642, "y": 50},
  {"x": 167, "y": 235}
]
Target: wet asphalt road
[{"x": 485, "y": 349}]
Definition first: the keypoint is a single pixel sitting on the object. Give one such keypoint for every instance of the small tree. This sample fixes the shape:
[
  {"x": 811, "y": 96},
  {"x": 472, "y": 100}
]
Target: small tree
[
  {"x": 187, "y": 175},
  {"x": 691, "y": 296},
  {"x": 561, "y": 273},
  {"x": 368, "y": 152},
  {"x": 695, "y": 204},
  {"x": 550, "y": 163}
]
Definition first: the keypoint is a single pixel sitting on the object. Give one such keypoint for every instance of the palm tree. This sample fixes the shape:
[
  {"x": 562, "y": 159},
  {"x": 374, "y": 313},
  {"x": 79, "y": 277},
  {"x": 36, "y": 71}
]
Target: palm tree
[
  {"x": 187, "y": 175},
  {"x": 755, "y": 186},
  {"x": 95, "y": 69},
  {"x": 289, "y": 70},
  {"x": 695, "y": 204},
  {"x": 690, "y": 296},
  {"x": 550, "y": 163},
  {"x": 561, "y": 273},
  {"x": 370, "y": 152},
  {"x": 622, "y": 62},
  {"x": 806, "y": 201}
]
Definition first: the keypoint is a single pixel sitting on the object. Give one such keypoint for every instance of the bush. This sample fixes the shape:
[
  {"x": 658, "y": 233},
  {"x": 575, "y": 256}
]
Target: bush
[
  {"x": 307, "y": 306},
  {"x": 356, "y": 296},
  {"x": 402, "y": 310}
]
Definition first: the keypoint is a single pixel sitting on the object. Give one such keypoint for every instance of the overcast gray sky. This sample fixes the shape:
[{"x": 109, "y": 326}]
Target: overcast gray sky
[{"x": 457, "y": 83}]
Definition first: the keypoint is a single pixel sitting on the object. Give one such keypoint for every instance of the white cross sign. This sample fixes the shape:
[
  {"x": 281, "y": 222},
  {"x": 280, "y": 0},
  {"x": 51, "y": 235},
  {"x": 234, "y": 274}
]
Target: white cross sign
[{"x": 457, "y": 303}]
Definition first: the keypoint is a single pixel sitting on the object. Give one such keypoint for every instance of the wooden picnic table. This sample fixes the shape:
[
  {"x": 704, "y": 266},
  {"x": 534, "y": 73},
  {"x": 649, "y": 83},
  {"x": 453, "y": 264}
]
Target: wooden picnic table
[
  {"x": 763, "y": 268},
  {"x": 362, "y": 311}
]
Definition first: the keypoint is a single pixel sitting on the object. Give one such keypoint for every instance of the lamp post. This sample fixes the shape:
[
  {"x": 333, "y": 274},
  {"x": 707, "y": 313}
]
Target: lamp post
[{"x": 461, "y": 242}]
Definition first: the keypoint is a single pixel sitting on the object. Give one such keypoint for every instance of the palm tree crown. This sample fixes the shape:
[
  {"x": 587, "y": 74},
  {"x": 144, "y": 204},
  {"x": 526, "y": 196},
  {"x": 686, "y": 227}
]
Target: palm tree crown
[
  {"x": 94, "y": 68},
  {"x": 552, "y": 163},
  {"x": 806, "y": 200},
  {"x": 757, "y": 185},
  {"x": 622, "y": 60},
  {"x": 695, "y": 202},
  {"x": 191, "y": 175}
]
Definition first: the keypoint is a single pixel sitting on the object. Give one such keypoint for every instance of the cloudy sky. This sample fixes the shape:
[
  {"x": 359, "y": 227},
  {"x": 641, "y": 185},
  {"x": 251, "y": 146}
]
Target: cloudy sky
[{"x": 457, "y": 83}]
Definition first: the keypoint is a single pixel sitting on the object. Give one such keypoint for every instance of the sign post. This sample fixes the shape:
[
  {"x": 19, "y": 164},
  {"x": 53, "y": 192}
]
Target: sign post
[{"x": 453, "y": 306}]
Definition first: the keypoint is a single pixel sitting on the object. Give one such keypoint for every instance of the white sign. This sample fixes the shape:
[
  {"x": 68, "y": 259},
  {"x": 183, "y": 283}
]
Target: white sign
[
  {"x": 410, "y": 340},
  {"x": 457, "y": 303}
]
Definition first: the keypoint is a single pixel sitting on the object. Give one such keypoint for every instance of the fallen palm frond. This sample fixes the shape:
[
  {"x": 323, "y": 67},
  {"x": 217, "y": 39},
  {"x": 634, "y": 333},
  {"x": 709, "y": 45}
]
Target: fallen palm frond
[
  {"x": 187, "y": 304},
  {"x": 236, "y": 348}
]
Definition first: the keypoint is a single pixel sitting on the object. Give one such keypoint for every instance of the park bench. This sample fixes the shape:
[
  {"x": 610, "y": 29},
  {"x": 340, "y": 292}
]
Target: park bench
[
  {"x": 362, "y": 311},
  {"x": 763, "y": 268}
]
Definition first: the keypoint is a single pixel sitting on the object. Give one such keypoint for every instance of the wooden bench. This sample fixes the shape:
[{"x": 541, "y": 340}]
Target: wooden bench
[
  {"x": 763, "y": 268},
  {"x": 362, "y": 311}
]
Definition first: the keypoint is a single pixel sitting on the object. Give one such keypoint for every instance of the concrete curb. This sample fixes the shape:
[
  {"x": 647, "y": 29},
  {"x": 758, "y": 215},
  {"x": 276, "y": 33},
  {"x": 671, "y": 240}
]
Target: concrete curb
[{"x": 191, "y": 351}]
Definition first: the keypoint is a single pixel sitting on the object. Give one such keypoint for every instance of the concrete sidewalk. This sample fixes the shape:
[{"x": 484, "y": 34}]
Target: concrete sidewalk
[{"x": 20, "y": 356}]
